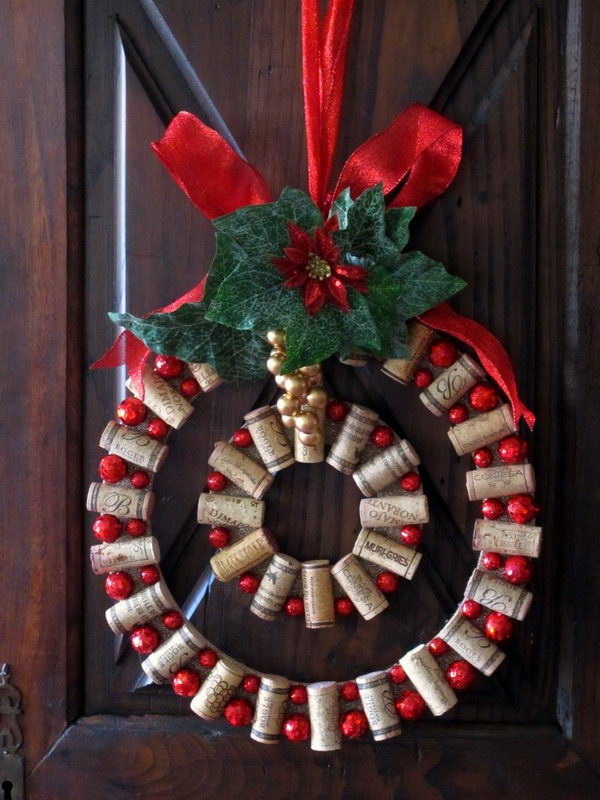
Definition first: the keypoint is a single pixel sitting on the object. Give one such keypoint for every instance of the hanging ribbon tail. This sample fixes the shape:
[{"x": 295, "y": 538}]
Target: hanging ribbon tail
[
  {"x": 494, "y": 358},
  {"x": 416, "y": 158},
  {"x": 214, "y": 177}
]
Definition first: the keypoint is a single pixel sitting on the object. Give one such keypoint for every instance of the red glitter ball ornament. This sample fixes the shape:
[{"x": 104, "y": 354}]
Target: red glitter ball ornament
[
  {"x": 298, "y": 695},
  {"x": 382, "y": 436},
  {"x": 149, "y": 574},
  {"x": 219, "y": 537},
  {"x": 442, "y": 353},
  {"x": 344, "y": 606},
  {"x": 251, "y": 684},
  {"x": 112, "y": 468},
  {"x": 491, "y": 561},
  {"x": 498, "y": 627},
  {"x": 242, "y": 438},
  {"x": 157, "y": 428},
  {"x": 349, "y": 691},
  {"x": 119, "y": 585},
  {"x": 483, "y": 457},
  {"x": 397, "y": 674},
  {"x": 172, "y": 620},
  {"x": 144, "y": 639},
  {"x": 354, "y": 724},
  {"x": 168, "y": 366},
  {"x": 438, "y": 647},
  {"x": 296, "y": 728},
  {"x": 294, "y": 606},
  {"x": 207, "y": 658},
  {"x": 135, "y": 527},
  {"x": 107, "y": 528},
  {"x": 411, "y": 535},
  {"x": 521, "y": 508},
  {"x": 460, "y": 674},
  {"x": 483, "y": 397},
  {"x": 189, "y": 387},
  {"x": 139, "y": 479},
  {"x": 517, "y": 570},
  {"x": 131, "y": 411},
  {"x": 410, "y": 705},
  {"x": 186, "y": 682},
  {"x": 411, "y": 482},
  {"x": 423, "y": 378},
  {"x": 458, "y": 413},
  {"x": 512, "y": 449},
  {"x": 387, "y": 582},
  {"x": 248, "y": 582},
  {"x": 337, "y": 410},
  {"x": 216, "y": 481},
  {"x": 492, "y": 508},
  {"x": 239, "y": 712},
  {"x": 470, "y": 609}
]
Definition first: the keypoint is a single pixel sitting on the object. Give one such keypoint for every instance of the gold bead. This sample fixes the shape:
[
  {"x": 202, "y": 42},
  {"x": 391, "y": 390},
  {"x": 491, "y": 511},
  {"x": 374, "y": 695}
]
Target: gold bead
[
  {"x": 274, "y": 364},
  {"x": 317, "y": 397},
  {"x": 287, "y": 405},
  {"x": 310, "y": 439},
  {"x": 307, "y": 422},
  {"x": 310, "y": 371},
  {"x": 316, "y": 380},
  {"x": 288, "y": 422},
  {"x": 276, "y": 338},
  {"x": 295, "y": 385},
  {"x": 280, "y": 380},
  {"x": 277, "y": 352}
]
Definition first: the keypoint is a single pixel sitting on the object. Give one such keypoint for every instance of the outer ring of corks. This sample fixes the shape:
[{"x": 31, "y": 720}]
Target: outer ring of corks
[
  {"x": 270, "y": 709},
  {"x": 482, "y": 430},
  {"x": 207, "y": 376},
  {"x": 124, "y": 554},
  {"x": 109, "y": 498},
  {"x": 134, "y": 446},
  {"x": 451, "y": 385},
  {"x": 162, "y": 399},
  {"x": 174, "y": 653},
  {"x": 140, "y": 607},
  {"x": 378, "y": 703},
  {"x": 324, "y": 712},
  {"x": 218, "y": 689},
  {"x": 403, "y": 369},
  {"x": 500, "y": 481}
]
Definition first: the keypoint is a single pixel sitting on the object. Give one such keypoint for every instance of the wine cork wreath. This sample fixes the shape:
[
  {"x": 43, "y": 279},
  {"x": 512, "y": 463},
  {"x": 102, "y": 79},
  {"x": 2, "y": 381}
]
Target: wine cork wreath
[{"x": 392, "y": 511}]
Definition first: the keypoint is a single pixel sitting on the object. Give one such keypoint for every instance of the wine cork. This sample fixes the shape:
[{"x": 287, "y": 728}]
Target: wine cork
[
  {"x": 470, "y": 643},
  {"x": 482, "y": 430},
  {"x": 270, "y": 709},
  {"x": 134, "y": 446},
  {"x": 507, "y": 538},
  {"x": 106, "y": 498},
  {"x": 359, "y": 586},
  {"x": 378, "y": 703},
  {"x": 218, "y": 689},
  {"x": 311, "y": 453},
  {"x": 318, "y": 594},
  {"x": 352, "y": 439},
  {"x": 246, "y": 473},
  {"x": 419, "y": 339},
  {"x": 245, "y": 554},
  {"x": 428, "y": 679},
  {"x": 275, "y": 586},
  {"x": 387, "y": 553},
  {"x": 498, "y": 595},
  {"x": 393, "y": 512},
  {"x": 162, "y": 398},
  {"x": 500, "y": 481},
  {"x": 124, "y": 554},
  {"x": 451, "y": 385},
  {"x": 225, "y": 509},
  {"x": 174, "y": 653},
  {"x": 324, "y": 714},
  {"x": 386, "y": 467},
  {"x": 269, "y": 439},
  {"x": 139, "y": 608},
  {"x": 207, "y": 376}
]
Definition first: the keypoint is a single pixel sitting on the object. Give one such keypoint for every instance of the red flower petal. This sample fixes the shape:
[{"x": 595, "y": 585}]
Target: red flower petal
[
  {"x": 332, "y": 225},
  {"x": 326, "y": 248},
  {"x": 314, "y": 295},
  {"x": 337, "y": 292},
  {"x": 295, "y": 255},
  {"x": 296, "y": 280},
  {"x": 350, "y": 272},
  {"x": 299, "y": 238},
  {"x": 358, "y": 286}
]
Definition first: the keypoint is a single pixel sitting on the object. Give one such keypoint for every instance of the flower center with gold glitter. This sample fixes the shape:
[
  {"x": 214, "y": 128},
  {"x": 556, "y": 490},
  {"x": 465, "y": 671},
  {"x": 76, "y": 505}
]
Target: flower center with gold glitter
[{"x": 318, "y": 268}]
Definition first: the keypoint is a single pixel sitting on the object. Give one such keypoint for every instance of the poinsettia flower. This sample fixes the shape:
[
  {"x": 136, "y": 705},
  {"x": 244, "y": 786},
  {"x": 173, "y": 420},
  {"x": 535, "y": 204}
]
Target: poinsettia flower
[{"x": 313, "y": 263}]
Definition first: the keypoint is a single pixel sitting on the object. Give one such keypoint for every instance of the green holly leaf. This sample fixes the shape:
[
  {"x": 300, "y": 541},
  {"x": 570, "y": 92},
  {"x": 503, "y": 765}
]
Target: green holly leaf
[
  {"x": 310, "y": 340},
  {"x": 228, "y": 256},
  {"x": 397, "y": 221},
  {"x": 383, "y": 299},
  {"x": 341, "y": 206},
  {"x": 365, "y": 234},
  {"x": 423, "y": 283}
]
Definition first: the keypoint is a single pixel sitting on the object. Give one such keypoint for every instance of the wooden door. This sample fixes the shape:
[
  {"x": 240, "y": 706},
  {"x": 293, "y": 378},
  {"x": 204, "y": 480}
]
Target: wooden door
[{"x": 110, "y": 230}]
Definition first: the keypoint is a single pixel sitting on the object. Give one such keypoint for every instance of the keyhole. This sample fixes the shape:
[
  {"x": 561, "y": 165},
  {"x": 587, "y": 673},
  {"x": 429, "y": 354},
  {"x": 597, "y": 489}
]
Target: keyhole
[{"x": 7, "y": 788}]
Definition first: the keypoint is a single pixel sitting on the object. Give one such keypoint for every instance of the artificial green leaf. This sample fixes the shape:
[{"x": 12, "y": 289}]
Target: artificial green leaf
[
  {"x": 397, "y": 221},
  {"x": 359, "y": 331},
  {"x": 311, "y": 339},
  {"x": 228, "y": 256},
  {"x": 383, "y": 300},
  {"x": 423, "y": 283},
  {"x": 340, "y": 206},
  {"x": 365, "y": 233}
]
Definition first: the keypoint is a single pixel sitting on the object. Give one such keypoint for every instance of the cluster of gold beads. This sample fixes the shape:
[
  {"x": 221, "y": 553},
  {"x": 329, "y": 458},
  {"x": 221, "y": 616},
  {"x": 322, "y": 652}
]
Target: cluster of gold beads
[{"x": 303, "y": 396}]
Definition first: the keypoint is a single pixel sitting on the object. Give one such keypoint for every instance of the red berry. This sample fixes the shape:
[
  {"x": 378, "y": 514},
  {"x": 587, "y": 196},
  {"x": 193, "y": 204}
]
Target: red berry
[
  {"x": 119, "y": 585},
  {"x": 517, "y": 570},
  {"x": 470, "y": 609},
  {"x": 216, "y": 481},
  {"x": 460, "y": 675},
  {"x": 397, "y": 674},
  {"x": 298, "y": 695},
  {"x": 491, "y": 561},
  {"x": 483, "y": 397},
  {"x": 349, "y": 691},
  {"x": 157, "y": 428},
  {"x": 423, "y": 378},
  {"x": 219, "y": 537},
  {"x": 382, "y": 436},
  {"x": 251, "y": 684},
  {"x": 139, "y": 479},
  {"x": 112, "y": 468},
  {"x": 336, "y": 410},
  {"x": 438, "y": 647},
  {"x": 483, "y": 457},
  {"x": 411, "y": 535},
  {"x": 135, "y": 527},
  {"x": 239, "y": 712},
  {"x": 168, "y": 366},
  {"x": 207, "y": 658},
  {"x": 294, "y": 606},
  {"x": 492, "y": 508},
  {"x": 248, "y": 582},
  {"x": 107, "y": 528},
  {"x": 344, "y": 606},
  {"x": 242, "y": 438},
  {"x": 296, "y": 728},
  {"x": 131, "y": 411},
  {"x": 186, "y": 682},
  {"x": 411, "y": 482},
  {"x": 512, "y": 449},
  {"x": 144, "y": 639},
  {"x": 150, "y": 574},
  {"x": 354, "y": 724},
  {"x": 387, "y": 582},
  {"x": 498, "y": 627},
  {"x": 172, "y": 620},
  {"x": 189, "y": 387},
  {"x": 521, "y": 508},
  {"x": 442, "y": 353},
  {"x": 410, "y": 705},
  {"x": 458, "y": 413}
]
